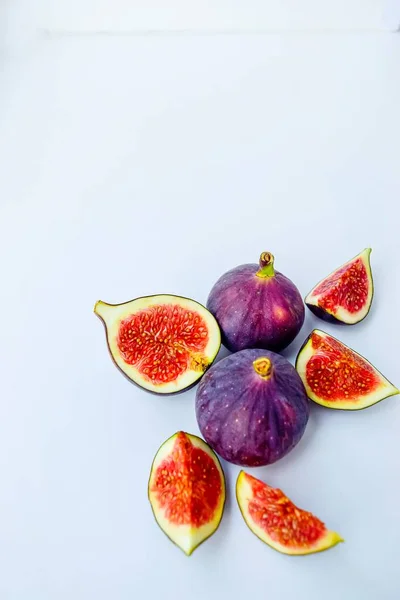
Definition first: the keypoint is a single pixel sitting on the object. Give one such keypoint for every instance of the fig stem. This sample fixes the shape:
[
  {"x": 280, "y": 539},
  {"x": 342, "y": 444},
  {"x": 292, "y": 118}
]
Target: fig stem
[
  {"x": 266, "y": 265},
  {"x": 263, "y": 367}
]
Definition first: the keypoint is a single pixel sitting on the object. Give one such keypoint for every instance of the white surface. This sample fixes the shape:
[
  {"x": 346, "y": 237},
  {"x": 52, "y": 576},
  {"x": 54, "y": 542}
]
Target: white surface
[
  {"x": 123, "y": 15},
  {"x": 24, "y": 19},
  {"x": 134, "y": 166}
]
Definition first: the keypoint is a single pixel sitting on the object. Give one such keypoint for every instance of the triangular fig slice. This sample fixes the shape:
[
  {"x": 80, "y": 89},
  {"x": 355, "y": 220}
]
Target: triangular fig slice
[
  {"x": 187, "y": 490},
  {"x": 344, "y": 296},
  {"x": 336, "y": 376},
  {"x": 278, "y": 522},
  {"x": 163, "y": 343}
]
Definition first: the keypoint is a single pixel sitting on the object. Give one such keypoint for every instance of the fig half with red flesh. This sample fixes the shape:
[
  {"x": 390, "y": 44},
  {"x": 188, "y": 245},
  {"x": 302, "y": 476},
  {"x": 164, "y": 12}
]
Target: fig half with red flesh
[
  {"x": 345, "y": 296},
  {"x": 272, "y": 517},
  {"x": 162, "y": 343},
  {"x": 336, "y": 376},
  {"x": 187, "y": 490}
]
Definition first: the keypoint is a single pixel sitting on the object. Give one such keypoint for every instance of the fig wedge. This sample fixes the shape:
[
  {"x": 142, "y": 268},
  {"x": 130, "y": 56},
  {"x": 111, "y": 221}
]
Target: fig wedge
[
  {"x": 336, "y": 376},
  {"x": 344, "y": 296},
  {"x": 187, "y": 490},
  {"x": 272, "y": 517}
]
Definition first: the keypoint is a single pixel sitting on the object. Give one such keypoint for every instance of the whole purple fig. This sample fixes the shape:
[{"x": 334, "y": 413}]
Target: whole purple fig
[
  {"x": 256, "y": 307},
  {"x": 252, "y": 407}
]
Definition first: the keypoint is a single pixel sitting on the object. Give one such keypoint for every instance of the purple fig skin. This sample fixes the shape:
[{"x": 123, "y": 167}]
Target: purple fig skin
[
  {"x": 249, "y": 419},
  {"x": 256, "y": 311},
  {"x": 325, "y": 316}
]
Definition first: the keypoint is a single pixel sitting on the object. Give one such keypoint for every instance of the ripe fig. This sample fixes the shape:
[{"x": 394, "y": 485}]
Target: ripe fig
[
  {"x": 252, "y": 407},
  {"x": 336, "y": 376},
  {"x": 187, "y": 490},
  {"x": 345, "y": 296},
  {"x": 162, "y": 343},
  {"x": 256, "y": 307},
  {"x": 272, "y": 517}
]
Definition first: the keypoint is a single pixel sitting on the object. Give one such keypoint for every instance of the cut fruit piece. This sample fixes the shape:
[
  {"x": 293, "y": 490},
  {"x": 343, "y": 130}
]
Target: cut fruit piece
[
  {"x": 187, "y": 490},
  {"x": 345, "y": 296},
  {"x": 278, "y": 522},
  {"x": 337, "y": 377},
  {"x": 162, "y": 343}
]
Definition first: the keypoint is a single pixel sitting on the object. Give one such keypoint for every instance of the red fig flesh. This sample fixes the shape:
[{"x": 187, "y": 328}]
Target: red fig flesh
[
  {"x": 278, "y": 522},
  {"x": 162, "y": 343},
  {"x": 336, "y": 376},
  {"x": 345, "y": 296},
  {"x": 187, "y": 490}
]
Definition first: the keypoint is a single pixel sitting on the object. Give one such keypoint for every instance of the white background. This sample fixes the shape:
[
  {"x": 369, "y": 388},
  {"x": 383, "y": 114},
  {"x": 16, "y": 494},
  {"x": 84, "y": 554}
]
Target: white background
[{"x": 153, "y": 163}]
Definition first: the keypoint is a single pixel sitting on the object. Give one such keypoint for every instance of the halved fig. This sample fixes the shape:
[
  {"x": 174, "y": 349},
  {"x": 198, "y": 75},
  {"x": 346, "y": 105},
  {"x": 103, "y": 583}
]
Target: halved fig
[
  {"x": 187, "y": 490},
  {"x": 162, "y": 343},
  {"x": 345, "y": 296},
  {"x": 336, "y": 376},
  {"x": 278, "y": 522}
]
